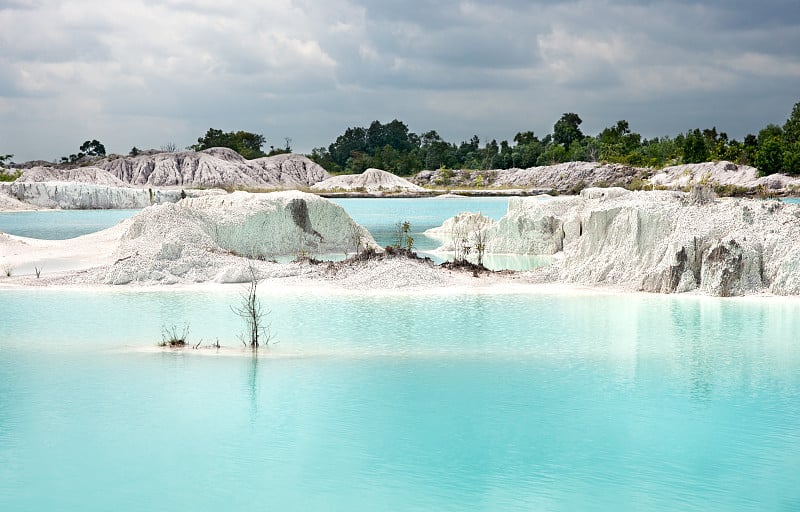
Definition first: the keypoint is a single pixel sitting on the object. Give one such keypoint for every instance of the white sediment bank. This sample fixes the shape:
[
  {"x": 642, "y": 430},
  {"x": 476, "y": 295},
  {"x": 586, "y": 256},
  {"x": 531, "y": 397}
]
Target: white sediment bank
[
  {"x": 667, "y": 242},
  {"x": 662, "y": 241}
]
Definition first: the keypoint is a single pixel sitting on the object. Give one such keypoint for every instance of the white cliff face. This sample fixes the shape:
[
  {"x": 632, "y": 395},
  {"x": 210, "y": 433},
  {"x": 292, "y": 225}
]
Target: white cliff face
[
  {"x": 92, "y": 175},
  {"x": 371, "y": 180},
  {"x": 215, "y": 167},
  {"x": 529, "y": 229},
  {"x": 192, "y": 239},
  {"x": 79, "y": 195},
  {"x": 9, "y": 203},
  {"x": 658, "y": 241}
]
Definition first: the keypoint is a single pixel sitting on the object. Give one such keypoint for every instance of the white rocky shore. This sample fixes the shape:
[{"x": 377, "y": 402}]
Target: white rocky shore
[
  {"x": 204, "y": 239},
  {"x": 661, "y": 241},
  {"x": 119, "y": 182}
]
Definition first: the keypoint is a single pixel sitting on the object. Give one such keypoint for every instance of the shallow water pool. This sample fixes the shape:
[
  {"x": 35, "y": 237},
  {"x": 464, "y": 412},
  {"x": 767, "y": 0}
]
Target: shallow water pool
[
  {"x": 60, "y": 224},
  {"x": 542, "y": 401}
]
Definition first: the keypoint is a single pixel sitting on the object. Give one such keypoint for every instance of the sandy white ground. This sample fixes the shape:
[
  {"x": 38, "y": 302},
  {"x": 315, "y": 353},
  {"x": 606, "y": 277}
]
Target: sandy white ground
[
  {"x": 23, "y": 255},
  {"x": 668, "y": 242}
]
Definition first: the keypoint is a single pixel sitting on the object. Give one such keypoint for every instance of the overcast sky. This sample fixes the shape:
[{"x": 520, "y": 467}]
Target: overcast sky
[{"x": 146, "y": 73}]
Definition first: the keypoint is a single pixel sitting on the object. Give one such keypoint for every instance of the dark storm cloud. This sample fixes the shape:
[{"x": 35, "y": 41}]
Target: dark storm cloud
[{"x": 145, "y": 72}]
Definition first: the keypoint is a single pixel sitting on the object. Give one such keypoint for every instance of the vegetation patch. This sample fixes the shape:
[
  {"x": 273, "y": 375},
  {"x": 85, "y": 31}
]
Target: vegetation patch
[{"x": 174, "y": 337}]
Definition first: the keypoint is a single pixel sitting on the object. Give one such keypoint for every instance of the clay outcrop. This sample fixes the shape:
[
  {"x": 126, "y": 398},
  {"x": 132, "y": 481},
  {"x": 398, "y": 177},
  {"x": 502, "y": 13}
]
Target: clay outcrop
[
  {"x": 215, "y": 167},
  {"x": 370, "y": 181},
  {"x": 661, "y": 241}
]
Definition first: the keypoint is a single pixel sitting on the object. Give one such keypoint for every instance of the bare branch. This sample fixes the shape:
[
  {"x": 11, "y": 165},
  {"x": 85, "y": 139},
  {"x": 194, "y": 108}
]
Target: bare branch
[{"x": 252, "y": 312}]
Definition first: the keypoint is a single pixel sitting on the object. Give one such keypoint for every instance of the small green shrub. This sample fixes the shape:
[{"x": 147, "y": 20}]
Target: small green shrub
[
  {"x": 9, "y": 175},
  {"x": 729, "y": 190}
]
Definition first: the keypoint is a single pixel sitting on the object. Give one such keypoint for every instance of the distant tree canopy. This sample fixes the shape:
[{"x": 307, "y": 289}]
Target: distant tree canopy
[
  {"x": 394, "y": 148},
  {"x": 88, "y": 148},
  {"x": 93, "y": 148},
  {"x": 5, "y": 158},
  {"x": 245, "y": 143}
]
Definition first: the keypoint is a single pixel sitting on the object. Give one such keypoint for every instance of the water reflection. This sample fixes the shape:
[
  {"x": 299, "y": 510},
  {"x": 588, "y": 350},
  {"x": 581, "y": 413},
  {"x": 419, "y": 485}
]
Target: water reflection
[{"x": 252, "y": 383}]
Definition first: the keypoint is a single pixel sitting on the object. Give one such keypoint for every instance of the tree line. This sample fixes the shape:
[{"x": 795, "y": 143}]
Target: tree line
[{"x": 394, "y": 148}]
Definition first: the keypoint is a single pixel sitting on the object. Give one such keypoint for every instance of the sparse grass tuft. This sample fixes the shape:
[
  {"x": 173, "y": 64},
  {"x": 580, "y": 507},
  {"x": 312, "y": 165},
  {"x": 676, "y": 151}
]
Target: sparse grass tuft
[{"x": 173, "y": 338}]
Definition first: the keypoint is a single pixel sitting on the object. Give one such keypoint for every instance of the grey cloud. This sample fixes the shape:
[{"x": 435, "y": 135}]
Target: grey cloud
[{"x": 181, "y": 66}]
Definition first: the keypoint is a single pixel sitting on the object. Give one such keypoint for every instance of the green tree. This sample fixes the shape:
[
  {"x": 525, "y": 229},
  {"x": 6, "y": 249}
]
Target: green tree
[
  {"x": 769, "y": 155},
  {"x": 93, "y": 148},
  {"x": 791, "y": 158},
  {"x": 566, "y": 130},
  {"x": 5, "y": 158},
  {"x": 394, "y": 134},
  {"x": 351, "y": 141},
  {"x": 245, "y": 143},
  {"x": 791, "y": 129},
  {"x": 553, "y": 154},
  {"x": 322, "y": 157},
  {"x": 695, "y": 149}
]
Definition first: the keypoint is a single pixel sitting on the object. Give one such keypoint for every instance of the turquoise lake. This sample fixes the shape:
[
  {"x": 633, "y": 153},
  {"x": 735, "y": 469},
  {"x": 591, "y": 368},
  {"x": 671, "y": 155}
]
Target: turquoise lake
[{"x": 427, "y": 401}]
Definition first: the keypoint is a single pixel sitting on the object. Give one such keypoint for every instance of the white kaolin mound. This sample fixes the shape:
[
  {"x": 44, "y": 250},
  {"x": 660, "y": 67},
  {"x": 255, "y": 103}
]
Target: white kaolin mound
[
  {"x": 192, "y": 240},
  {"x": 208, "y": 238},
  {"x": 215, "y": 167},
  {"x": 371, "y": 180}
]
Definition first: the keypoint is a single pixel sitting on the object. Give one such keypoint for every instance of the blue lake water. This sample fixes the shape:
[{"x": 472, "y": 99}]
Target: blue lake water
[
  {"x": 539, "y": 401},
  {"x": 381, "y": 217},
  {"x": 536, "y": 401},
  {"x": 60, "y": 224}
]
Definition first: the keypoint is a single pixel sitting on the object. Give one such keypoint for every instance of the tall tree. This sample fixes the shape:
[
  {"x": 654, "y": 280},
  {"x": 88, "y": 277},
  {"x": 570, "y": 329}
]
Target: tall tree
[
  {"x": 769, "y": 155},
  {"x": 93, "y": 148},
  {"x": 695, "y": 149},
  {"x": 351, "y": 141},
  {"x": 566, "y": 130},
  {"x": 791, "y": 129}
]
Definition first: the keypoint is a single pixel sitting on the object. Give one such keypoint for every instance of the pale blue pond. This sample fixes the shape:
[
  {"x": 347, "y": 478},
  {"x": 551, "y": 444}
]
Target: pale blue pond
[
  {"x": 792, "y": 200},
  {"x": 381, "y": 216},
  {"x": 60, "y": 224},
  {"x": 418, "y": 402},
  {"x": 537, "y": 401}
]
